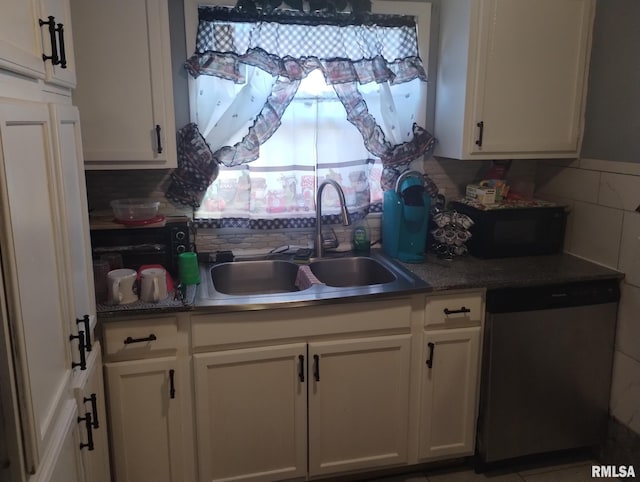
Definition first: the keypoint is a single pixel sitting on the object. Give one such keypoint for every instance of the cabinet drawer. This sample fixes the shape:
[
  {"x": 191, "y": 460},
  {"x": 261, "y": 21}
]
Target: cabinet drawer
[
  {"x": 455, "y": 309},
  {"x": 144, "y": 338}
]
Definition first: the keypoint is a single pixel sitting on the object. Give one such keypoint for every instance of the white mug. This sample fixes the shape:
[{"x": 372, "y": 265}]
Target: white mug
[
  {"x": 153, "y": 284},
  {"x": 122, "y": 286}
]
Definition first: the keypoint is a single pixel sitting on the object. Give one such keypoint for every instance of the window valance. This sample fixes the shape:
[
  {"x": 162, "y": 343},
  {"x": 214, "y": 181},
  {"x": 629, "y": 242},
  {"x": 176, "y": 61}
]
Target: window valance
[{"x": 283, "y": 44}]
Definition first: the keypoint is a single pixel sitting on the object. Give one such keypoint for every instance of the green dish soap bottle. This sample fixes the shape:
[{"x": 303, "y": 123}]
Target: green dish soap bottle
[{"x": 360, "y": 237}]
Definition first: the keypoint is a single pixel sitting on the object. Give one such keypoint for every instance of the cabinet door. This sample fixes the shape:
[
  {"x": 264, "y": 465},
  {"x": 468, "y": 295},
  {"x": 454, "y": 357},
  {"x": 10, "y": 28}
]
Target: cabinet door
[
  {"x": 144, "y": 420},
  {"x": 125, "y": 88},
  {"x": 61, "y": 463},
  {"x": 251, "y": 413},
  {"x": 33, "y": 271},
  {"x": 74, "y": 214},
  {"x": 89, "y": 394},
  {"x": 20, "y": 46},
  {"x": 448, "y": 400},
  {"x": 63, "y": 73},
  {"x": 530, "y": 75},
  {"x": 358, "y": 403}
]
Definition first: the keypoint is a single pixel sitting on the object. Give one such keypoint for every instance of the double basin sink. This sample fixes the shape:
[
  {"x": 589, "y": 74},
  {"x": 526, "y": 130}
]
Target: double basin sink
[{"x": 278, "y": 280}]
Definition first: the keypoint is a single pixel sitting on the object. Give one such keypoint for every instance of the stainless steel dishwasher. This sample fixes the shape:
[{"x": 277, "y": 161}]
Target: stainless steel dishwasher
[{"x": 546, "y": 375}]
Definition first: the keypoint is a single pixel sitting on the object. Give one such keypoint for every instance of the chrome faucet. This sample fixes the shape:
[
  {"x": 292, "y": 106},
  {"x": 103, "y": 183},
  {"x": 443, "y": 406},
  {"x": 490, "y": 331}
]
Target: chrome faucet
[{"x": 346, "y": 220}]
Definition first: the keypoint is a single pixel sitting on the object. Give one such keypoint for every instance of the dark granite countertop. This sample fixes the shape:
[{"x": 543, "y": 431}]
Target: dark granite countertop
[
  {"x": 470, "y": 272},
  {"x": 170, "y": 304},
  {"x": 439, "y": 274}
]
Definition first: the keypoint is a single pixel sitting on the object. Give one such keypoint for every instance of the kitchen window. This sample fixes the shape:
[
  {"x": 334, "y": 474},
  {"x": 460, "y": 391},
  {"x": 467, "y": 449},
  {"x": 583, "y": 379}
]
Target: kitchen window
[{"x": 283, "y": 105}]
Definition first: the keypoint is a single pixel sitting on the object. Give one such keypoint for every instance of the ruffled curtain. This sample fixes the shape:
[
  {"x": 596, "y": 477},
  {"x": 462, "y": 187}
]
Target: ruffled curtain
[{"x": 249, "y": 69}]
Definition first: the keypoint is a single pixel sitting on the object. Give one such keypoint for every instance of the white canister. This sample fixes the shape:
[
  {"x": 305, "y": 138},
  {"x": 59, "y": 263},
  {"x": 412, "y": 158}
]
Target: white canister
[
  {"x": 153, "y": 284},
  {"x": 122, "y": 286}
]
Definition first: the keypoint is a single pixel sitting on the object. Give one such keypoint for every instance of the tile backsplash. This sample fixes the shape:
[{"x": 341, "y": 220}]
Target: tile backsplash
[{"x": 604, "y": 227}]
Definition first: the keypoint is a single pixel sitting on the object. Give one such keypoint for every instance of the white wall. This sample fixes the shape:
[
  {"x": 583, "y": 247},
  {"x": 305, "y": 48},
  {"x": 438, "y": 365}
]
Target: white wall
[{"x": 604, "y": 227}]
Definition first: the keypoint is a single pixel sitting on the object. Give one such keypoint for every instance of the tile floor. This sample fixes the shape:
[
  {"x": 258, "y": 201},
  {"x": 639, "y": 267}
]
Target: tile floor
[
  {"x": 558, "y": 471},
  {"x": 573, "y": 473}
]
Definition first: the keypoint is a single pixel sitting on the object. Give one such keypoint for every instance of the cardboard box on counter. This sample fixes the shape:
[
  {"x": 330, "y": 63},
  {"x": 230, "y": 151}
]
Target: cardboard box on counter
[{"x": 481, "y": 194}]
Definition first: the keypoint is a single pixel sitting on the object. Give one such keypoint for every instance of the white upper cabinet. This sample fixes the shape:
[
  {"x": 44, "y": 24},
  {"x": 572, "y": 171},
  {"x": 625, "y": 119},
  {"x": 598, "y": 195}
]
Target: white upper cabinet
[
  {"x": 511, "y": 79},
  {"x": 125, "y": 89},
  {"x": 25, "y": 41}
]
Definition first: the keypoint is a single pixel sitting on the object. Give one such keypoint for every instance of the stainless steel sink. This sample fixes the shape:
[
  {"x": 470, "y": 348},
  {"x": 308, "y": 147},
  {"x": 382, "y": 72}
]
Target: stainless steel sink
[
  {"x": 255, "y": 277},
  {"x": 353, "y": 271},
  {"x": 257, "y": 284}
]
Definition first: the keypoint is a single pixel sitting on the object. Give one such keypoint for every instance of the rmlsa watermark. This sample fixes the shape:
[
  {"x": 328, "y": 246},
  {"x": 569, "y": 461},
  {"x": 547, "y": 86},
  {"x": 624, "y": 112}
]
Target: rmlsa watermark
[{"x": 620, "y": 471}]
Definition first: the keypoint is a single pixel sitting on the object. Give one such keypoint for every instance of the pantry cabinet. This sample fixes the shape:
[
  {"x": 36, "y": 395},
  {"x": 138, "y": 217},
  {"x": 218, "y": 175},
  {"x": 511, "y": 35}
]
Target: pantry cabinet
[
  {"x": 74, "y": 218},
  {"x": 449, "y": 375},
  {"x": 33, "y": 270},
  {"x": 24, "y": 40},
  {"x": 39, "y": 161},
  {"x": 63, "y": 462},
  {"x": 62, "y": 73},
  {"x": 20, "y": 38},
  {"x": 88, "y": 390},
  {"x": 511, "y": 80},
  {"x": 125, "y": 88}
]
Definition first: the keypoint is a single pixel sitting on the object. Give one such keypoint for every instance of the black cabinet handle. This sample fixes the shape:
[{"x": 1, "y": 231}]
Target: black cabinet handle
[
  {"x": 130, "y": 340},
  {"x": 301, "y": 368},
  {"x": 172, "y": 387},
  {"x": 88, "y": 424},
  {"x": 480, "y": 134},
  {"x": 447, "y": 311},
  {"x": 51, "y": 23},
  {"x": 316, "y": 368},
  {"x": 158, "y": 138},
  {"x": 87, "y": 331},
  {"x": 430, "y": 359},
  {"x": 94, "y": 408},
  {"x": 81, "y": 347},
  {"x": 63, "y": 55}
]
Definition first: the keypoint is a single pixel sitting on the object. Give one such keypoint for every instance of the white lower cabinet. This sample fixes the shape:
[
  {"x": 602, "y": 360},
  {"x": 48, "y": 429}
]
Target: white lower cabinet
[
  {"x": 449, "y": 392},
  {"x": 293, "y": 394},
  {"x": 251, "y": 412},
  {"x": 449, "y": 374},
  {"x": 251, "y": 408},
  {"x": 145, "y": 424},
  {"x": 358, "y": 403}
]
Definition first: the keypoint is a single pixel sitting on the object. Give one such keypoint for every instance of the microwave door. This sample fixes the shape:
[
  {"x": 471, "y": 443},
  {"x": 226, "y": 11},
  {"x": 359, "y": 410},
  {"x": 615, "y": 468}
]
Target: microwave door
[{"x": 131, "y": 249}]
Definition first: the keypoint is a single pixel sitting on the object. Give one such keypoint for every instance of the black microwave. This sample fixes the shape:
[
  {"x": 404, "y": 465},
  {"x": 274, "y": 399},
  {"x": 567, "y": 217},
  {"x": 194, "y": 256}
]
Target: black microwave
[
  {"x": 143, "y": 245},
  {"x": 520, "y": 230}
]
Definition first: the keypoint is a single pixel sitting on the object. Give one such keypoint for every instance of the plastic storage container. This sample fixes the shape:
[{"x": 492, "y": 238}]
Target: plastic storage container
[{"x": 135, "y": 209}]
